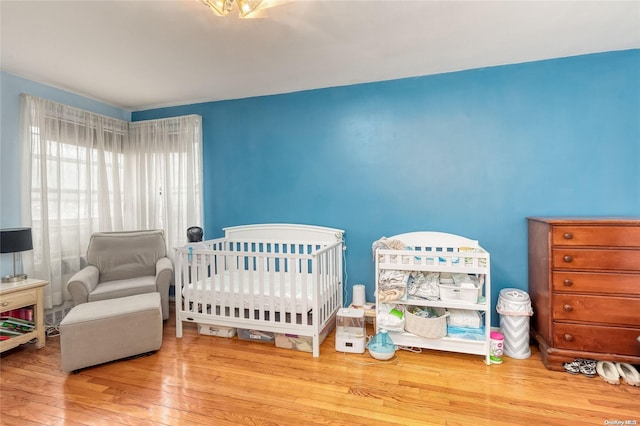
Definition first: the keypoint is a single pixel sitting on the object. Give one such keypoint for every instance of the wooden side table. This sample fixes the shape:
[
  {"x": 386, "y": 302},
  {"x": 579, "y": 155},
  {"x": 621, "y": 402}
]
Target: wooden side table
[{"x": 27, "y": 293}]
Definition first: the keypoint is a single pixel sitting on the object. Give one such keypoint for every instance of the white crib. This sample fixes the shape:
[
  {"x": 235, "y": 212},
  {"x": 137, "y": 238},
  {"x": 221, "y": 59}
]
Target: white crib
[{"x": 281, "y": 278}]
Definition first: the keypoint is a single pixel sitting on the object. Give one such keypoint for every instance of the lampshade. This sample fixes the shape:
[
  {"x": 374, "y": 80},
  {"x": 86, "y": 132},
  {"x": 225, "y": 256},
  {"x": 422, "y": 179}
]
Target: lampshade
[{"x": 13, "y": 240}]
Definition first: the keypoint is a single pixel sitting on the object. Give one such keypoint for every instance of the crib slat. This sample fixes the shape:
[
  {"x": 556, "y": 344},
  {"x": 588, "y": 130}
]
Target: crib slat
[
  {"x": 261, "y": 288},
  {"x": 272, "y": 285}
]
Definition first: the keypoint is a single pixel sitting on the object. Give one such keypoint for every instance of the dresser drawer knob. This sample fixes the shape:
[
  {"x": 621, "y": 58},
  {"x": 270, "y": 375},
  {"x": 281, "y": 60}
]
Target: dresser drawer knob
[
  {"x": 568, "y": 308},
  {"x": 568, "y": 282},
  {"x": 568, "y": 337},
  {"x": 568, "y": 258},
  {"x": 567, "y": 235},
  {"x": 5, "y": 303}
]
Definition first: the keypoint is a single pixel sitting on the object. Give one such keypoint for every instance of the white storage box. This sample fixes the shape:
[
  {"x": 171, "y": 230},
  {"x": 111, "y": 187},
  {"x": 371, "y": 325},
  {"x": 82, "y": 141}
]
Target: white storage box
[
  {"x": 216, "y": 330},
  {"x": 295, "y": 342},
  {"x": 454, "y": 293},
  {"x": 465, "y": 318},
  {"x": 256, "y": 335},
  {"x": 301, "y": 343}
]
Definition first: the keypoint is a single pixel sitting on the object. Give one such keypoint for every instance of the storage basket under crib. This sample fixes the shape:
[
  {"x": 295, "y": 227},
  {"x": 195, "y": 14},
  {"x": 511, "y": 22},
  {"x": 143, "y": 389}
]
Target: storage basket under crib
[{"x": 431, "y": 328}]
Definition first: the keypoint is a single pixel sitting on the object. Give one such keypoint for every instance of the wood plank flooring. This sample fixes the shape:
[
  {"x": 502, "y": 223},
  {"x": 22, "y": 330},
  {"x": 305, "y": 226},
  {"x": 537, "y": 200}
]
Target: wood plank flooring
[{"x": 204, "y": 380}]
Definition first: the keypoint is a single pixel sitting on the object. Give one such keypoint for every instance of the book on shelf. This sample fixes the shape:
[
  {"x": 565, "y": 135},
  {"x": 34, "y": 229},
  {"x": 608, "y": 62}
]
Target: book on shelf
[
  {"x": 9, "y": 333},
  {"x": 21, "y": 313},
  {"x": 10, "y": 326}
]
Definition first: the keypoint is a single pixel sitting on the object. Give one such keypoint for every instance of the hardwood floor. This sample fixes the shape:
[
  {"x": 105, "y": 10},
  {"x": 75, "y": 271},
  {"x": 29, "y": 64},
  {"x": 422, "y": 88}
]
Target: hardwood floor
[{"x": 204, "y": 380}]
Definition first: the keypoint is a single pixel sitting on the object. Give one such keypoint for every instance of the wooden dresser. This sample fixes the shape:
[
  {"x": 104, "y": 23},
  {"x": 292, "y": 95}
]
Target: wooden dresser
[{"x": 584, "y": 283}]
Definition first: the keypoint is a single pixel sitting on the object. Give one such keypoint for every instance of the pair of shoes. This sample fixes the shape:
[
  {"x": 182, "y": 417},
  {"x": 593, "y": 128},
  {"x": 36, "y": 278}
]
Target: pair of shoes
[
  {"x": 579, "y": 365},
  {"x": 572, "y": 367},
  {"x": 587, "y": 367},
  {"x": 628, "y": 373},
  {"x": 608, "y": 371},
  {"x": 612, "y": 372}
]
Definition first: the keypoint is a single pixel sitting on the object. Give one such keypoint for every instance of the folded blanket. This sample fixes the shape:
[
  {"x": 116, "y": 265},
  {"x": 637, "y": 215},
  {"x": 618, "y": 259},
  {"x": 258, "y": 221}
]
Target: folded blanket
[
  {"x": 385, "y": 243},
  {"x": 424, "y": 285},
  {"x": 392, "y": 285}
]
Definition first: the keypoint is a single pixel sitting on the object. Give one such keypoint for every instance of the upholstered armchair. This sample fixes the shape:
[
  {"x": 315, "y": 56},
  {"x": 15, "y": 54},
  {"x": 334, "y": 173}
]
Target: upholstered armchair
[{"x": 123, "y": 264}]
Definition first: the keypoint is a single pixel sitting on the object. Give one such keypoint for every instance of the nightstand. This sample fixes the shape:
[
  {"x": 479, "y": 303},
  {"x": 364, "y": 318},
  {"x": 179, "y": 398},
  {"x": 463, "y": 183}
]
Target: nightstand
[{"x": 27, "y": 293}]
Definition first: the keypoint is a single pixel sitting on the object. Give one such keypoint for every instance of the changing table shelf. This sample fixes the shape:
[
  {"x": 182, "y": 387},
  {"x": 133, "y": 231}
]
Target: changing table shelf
[
  {"x": 443, "y": 304},
  {"x": 449, "y": 344}
]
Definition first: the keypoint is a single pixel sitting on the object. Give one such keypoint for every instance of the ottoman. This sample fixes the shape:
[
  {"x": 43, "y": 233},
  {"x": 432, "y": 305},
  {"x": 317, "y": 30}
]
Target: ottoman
[{"x": 93, "y": 333}]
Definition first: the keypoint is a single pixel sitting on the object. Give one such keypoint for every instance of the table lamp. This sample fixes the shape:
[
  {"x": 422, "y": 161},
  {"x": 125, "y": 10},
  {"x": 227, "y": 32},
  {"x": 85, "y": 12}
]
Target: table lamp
[{"x": 15, "y": 240}]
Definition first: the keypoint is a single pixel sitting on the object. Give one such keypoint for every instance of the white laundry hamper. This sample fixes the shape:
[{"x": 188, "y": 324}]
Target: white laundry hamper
[{"x": 514, "y": 307}]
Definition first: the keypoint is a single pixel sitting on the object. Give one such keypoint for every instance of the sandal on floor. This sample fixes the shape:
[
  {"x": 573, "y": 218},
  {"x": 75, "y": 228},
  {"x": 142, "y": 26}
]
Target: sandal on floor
[
  {"x": 572, "y": 367},
  {"x": 587, "y": 367},
  {"x": 628, "y": 373},
  {"x": 588, "y": 370},
  {"x": 608, "y": 371}
]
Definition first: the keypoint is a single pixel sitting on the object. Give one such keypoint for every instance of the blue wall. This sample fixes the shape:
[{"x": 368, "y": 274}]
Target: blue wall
[
  {"x": 11, "y": 87},
  {"x": 471, "y": 153}
]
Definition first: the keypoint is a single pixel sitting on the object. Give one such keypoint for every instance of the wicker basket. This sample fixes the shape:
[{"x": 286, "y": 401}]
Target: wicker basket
[{"x": 431, "y": 328}]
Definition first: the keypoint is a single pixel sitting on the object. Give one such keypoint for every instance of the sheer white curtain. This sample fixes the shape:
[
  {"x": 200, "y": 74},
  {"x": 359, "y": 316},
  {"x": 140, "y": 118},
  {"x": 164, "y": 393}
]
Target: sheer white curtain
[
  {"x": 83, "y": 172},
  {"x": 72, "y": 186},
  {"x": 164, "y": 176}
]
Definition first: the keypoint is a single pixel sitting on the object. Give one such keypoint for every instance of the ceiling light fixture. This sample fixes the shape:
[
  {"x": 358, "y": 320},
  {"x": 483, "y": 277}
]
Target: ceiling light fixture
[{"x": 223, "y": 7}]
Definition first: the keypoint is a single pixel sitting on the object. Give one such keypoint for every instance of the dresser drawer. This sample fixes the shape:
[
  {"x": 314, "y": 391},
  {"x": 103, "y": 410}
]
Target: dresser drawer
[
  {"x": 592, "y": 282},
  {"x": 596, "y": 309},
  {"x": 585, "y": 235},
  {"x": 595, "y": 259},
  {"x": 18, "y": 300},
  {"x": 590, "y": 338}
]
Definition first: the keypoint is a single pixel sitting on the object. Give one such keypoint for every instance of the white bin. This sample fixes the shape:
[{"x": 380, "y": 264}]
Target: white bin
[{"x": 514, "y": 307}]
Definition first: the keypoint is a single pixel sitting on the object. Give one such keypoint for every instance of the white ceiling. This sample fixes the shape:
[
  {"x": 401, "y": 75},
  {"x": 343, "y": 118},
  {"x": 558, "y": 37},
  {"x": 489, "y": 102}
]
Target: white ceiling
[{"x": 144, "y": 54}]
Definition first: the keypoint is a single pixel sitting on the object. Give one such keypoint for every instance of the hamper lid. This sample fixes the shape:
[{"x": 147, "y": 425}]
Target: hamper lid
[
  {"x": 513, "y": 301},
  {"x": 514, "y": 295}
]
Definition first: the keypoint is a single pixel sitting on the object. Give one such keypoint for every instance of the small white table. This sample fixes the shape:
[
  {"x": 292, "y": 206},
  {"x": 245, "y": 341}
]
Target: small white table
[{"x": 27, "y": 293}]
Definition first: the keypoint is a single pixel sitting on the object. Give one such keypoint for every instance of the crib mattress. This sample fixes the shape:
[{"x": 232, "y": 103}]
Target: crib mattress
[{"x": 230, "y": 290}]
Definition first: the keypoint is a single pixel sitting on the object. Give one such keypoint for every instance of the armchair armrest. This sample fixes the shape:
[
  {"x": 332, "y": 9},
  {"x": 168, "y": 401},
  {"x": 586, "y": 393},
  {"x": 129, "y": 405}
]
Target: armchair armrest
[
  {"x": 164, "y": 276},
  {"x": 82, "y": 283}
]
